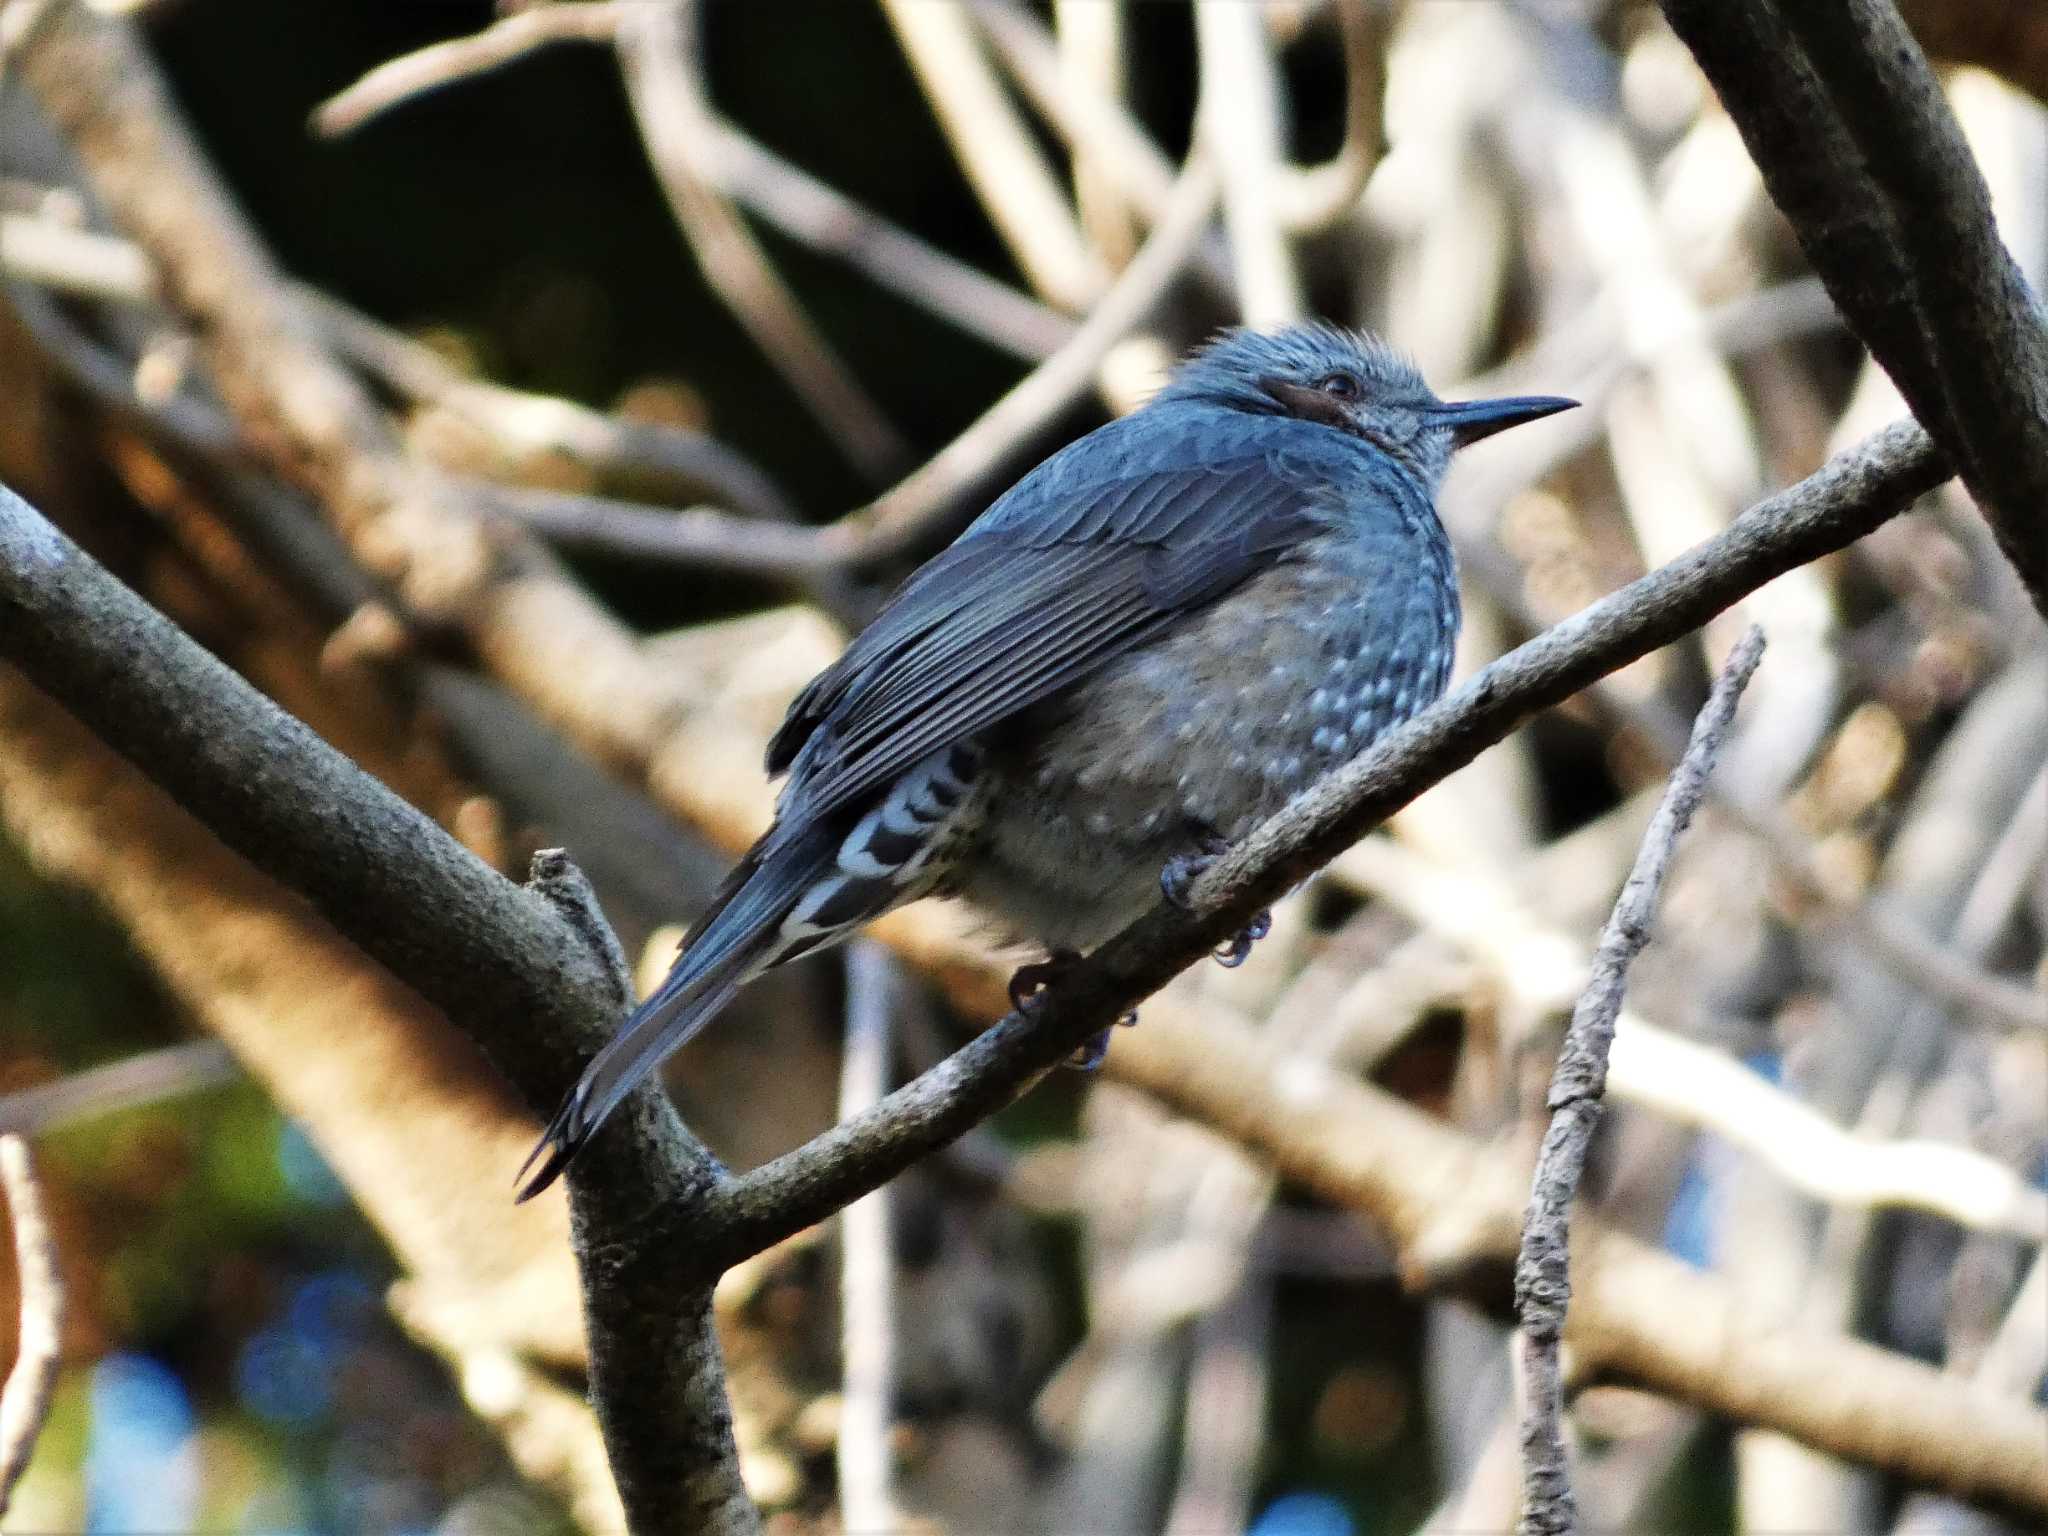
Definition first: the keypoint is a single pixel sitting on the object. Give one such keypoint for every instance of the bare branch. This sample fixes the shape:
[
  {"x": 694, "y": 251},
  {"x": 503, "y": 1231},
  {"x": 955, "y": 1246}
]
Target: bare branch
[
  {"x": 749, "y": 174},
  {"x": 521, "y": 423},
  {"x": 1086, "y": 55},
  {"x": 1098, "y": 129},
  {"x": 1859, "y": 149},
  {"x": 705, "y": 538},
  {"x": 1541, "y": 969},
  {"x": 1697, "y": 1085},
  {"x": 1543, "y": 1271},
  {"x": 143, "y": 1078},
  {"x": 657, "y": 47},
  {"x": 1239, "y": 121},
  {"x": 504, "y": 42},
  {"x": 529, "y": 988},
  {"x": 867, "y": 1282},
  {"x": 40, "y": 250},
  {"x": 915, "y": 509},
  {"x": 25, "y": 1402},
  {"x": 997, "y": 153},
  {"x": 400, "y": 1104},
  {"x": 806, "y": 209}
]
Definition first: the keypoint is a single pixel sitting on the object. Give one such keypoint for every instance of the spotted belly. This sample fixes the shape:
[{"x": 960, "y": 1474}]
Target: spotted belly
[{"x": 1205, "y": 733}]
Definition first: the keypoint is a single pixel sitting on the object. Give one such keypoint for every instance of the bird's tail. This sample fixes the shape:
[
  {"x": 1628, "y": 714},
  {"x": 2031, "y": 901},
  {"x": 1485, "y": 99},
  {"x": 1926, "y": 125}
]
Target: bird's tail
[
  {"x": 803, "y": 887},
  {"x": 745, "y": 931}
]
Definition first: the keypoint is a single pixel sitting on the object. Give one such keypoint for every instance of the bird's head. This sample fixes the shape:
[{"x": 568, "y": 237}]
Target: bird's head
[{"x": 1353, "y": 383}]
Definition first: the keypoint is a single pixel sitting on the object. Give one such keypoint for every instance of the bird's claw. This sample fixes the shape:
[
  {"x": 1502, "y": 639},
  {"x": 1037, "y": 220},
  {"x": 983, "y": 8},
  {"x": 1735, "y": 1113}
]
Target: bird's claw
[
  {"x": 1177, "y": 879},
  {"x": 1233, "y": 954},
  {"x": 1177, "y": 883},
  {"x": 1089, "y": 1055},
  {"x": 1027, "y": 988},
  {"x": 1029, "y": 982}
]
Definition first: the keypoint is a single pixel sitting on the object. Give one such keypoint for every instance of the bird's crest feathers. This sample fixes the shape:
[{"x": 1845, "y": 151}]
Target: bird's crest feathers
[{"x": 1227, "y": 369}]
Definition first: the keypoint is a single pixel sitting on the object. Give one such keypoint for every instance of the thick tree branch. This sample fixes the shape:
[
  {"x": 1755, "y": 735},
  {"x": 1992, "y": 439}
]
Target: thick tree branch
[
  {"x": 1859, "y": 149},
  {"x": 525, "y": 985},
  {"x": 1577, "y": 1088},
  {"x": 399, "y": 1103}
]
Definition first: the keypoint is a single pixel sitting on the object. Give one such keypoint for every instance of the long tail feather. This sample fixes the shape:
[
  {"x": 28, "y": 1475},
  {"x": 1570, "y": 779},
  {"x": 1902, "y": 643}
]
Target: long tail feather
[
  {"x": 799, "y": 890},
  {"x": 660, "y": 1025},
  {"x": 732, "y": 943}
]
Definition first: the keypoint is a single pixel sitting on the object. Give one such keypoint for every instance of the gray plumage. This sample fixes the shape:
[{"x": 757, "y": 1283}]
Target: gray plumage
[{"x": 1147, "y": 645}]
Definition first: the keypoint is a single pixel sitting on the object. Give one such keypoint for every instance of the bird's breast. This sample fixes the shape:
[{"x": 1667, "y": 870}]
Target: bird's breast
[{"x": 1216, "y": 725}]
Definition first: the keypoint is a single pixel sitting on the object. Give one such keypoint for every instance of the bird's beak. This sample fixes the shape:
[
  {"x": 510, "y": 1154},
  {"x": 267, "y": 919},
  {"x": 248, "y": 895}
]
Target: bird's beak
[{"x": 1470, "y": 420}]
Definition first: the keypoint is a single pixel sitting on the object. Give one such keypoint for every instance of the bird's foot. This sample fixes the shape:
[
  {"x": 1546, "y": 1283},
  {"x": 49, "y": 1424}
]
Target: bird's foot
[
  {"x": 1177, "y": 882},
  {"x": 1091, "y": 1052},
  {"x": 1234, "y": 953},
  {"x": 1030, "y": 981},
  {"x": 1177, "y": 879},
  {"x": 1028, "y": 985}
]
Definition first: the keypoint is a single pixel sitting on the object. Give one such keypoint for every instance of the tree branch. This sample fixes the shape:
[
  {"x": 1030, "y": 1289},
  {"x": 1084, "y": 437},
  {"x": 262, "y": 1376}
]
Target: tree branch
[
  {"x": 25, "y": 1402},
  {"x": 1451, "y": 1205},
  {"x": 1577, "y": 1086},
  {"x": 506, "y": 41},
  {"x": 401, "y": 1105},
  {"x": 656, "y": 42},
  {"x": 525, "y": 985},
  {"x": 1860, "y": 151}
]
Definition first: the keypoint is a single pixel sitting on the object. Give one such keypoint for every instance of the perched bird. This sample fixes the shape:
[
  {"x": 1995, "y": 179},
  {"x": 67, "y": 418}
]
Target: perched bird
[{"x": 1151, "y": 642}]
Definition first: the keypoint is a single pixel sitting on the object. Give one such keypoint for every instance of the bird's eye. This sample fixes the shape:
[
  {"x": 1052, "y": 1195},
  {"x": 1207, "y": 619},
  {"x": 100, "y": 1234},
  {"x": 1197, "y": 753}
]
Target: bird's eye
[{"x": 1340, "y": 386}]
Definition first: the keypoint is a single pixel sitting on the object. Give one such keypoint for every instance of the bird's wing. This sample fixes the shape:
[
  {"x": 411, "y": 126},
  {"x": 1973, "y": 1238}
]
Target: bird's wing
[{"x": 1088, "y": 557}]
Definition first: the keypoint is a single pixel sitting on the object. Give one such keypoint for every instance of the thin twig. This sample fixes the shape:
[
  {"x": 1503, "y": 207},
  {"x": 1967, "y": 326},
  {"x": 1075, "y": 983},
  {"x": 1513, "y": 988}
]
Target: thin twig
[
  {"x": 25, "y": 1402},
  {"x": 827, "y": 220},
  {"x": 917, "y": 508},
  {"x": 751, "y": 175},
  {"x": 80, "y": 261},
  {"x": 867, "y": 1279},
  {"x": 1319, "y": 197},
  {"x": 1240, "y": 123},
  {"x": 1542, "y": 1273},
  {"x": 1099, "y": 130},
  {"x": 504, "y": 42},
  {"x": 997, "y": 153},
  {"x": 1541, "y": 969},
  {"x": 2014, "y": 1363},
  {"x": 143, "y": 1078},
  {"x": 658, "y": 55},
  {"x": 704, "y": 538},
  {"x": 1086, "y": 55},
  {"x": 522, "y": 423}
]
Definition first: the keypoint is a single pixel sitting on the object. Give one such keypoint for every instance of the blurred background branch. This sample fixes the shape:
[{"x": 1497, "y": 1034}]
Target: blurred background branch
[{"x": 39, "y": 1296}]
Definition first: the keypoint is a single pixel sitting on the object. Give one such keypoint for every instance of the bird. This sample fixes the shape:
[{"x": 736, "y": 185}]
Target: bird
[{"x": 1151, "y": 642}]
